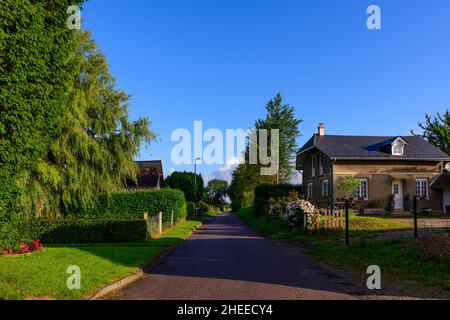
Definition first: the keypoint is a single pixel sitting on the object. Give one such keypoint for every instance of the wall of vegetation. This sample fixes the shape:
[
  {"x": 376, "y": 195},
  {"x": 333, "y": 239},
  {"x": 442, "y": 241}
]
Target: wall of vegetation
[
  {"x": 65, "y": 134},
  {"x": 269, "y": 194},
  {"x": 127, "y": 205}
]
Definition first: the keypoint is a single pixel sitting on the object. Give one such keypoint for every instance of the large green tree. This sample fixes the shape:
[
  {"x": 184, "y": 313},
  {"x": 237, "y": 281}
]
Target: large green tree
[
  {"x": 65, "y": 134},
  {"x": 98, "y": 142},
  {"x": 282, "y": 117},
  {"x": 216, "y": 192},
  {"x": 187, "y": 182},
  {"x": 436, "y": 130},
  {"x": 35, "y": 74},
  {"x": 247, "y": 176}
]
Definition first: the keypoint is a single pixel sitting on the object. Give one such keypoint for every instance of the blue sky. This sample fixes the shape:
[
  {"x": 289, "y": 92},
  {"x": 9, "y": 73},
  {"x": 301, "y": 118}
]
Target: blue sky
[{"x": 220, "y": 61}]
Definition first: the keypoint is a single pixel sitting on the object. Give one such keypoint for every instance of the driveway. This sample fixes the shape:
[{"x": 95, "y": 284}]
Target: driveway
[{"x": 227, "y": 260}]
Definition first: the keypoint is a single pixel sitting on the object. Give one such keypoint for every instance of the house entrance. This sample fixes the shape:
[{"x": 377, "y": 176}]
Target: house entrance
[{"x": 397, "y": 191}]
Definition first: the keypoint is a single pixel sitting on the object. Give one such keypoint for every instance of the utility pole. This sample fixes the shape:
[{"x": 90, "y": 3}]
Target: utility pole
[
  {"x": 195, "y": 187},
  {"x": 416, "y": 233},
  {"x": 347, "y": 236}
]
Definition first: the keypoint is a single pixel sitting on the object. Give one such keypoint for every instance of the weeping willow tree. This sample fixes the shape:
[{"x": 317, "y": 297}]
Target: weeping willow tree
[{"x": 98, "y": 142}]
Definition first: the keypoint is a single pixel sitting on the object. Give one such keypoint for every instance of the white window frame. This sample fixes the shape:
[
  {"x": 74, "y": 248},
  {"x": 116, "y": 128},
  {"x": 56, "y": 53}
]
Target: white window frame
[
  {"x": 420, "y": 188},
  {"x": 320, "y": 165},
  {"x": 310, "y": 191},
  {"x": 359, "y": 194},
  {"x": 398, "y": 145},
  {"x": 325, "y": 188},
  {"x": 313, "y": 167}
]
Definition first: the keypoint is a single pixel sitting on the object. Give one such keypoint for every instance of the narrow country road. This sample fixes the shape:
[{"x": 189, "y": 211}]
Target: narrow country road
[{"x": 225, "y": 259}]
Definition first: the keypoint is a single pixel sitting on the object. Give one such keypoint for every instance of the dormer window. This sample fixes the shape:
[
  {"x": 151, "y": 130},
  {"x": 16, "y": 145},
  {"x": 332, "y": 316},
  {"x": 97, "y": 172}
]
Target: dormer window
[{"x": 398, "y": 147}]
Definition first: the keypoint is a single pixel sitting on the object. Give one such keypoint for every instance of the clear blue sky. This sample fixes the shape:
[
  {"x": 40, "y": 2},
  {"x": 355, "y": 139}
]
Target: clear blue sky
[{"x": 219, "y": 61}]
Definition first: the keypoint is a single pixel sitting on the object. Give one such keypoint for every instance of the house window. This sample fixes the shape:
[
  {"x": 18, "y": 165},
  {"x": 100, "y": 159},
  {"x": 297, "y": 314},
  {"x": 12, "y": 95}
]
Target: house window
[
  {"x": 325, "y": 188},
  {"x": 321, "y": 165},
  {"x": 398, "y": 148},
  {"x": 362, "y": 192},
  {"x": 313, "y": 167},
  {"x": 422, "y": 188},
  {"x": 310, "y": 190}
]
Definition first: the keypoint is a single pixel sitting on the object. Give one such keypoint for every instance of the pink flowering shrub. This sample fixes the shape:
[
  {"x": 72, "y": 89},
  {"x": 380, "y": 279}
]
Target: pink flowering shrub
[
  {"x": 295, "y": 212},
  {"x": 35, "y": 245}
]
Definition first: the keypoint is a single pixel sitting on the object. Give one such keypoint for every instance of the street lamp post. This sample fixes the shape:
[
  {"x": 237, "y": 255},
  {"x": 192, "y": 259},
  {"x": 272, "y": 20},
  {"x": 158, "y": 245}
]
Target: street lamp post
[
  {"x": 195, "y": 186},
  {"x": 416, "y": 233}
]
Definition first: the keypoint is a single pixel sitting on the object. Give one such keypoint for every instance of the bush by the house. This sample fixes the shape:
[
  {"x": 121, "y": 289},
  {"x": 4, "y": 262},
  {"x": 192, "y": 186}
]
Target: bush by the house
[
  {"x": 88, "y": 231},
  {"x": 296, "y": 211},
  {"x": 132, "y": 205},
  {"x": 269, "y": 197}
]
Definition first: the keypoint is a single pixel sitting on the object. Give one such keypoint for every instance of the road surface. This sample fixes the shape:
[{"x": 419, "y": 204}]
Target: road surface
[{"x": 226, "y": 260}]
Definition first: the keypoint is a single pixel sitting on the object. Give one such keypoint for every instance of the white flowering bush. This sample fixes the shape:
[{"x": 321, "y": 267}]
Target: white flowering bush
[{"x": 296, "y": 210}]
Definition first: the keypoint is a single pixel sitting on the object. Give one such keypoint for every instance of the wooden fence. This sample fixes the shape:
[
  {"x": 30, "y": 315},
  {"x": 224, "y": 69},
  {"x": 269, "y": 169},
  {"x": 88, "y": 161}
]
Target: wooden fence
[
  {"x": 327, "y": 219},
  {"x": 157, "y": 224}
]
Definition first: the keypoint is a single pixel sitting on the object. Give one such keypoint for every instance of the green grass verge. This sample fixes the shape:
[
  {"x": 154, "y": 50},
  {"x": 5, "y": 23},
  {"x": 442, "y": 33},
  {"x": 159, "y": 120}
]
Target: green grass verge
[
  {"x": 397, "y": 259},
  {"x": 359, "y": 225},
  {"x": 43, "y": 274}
]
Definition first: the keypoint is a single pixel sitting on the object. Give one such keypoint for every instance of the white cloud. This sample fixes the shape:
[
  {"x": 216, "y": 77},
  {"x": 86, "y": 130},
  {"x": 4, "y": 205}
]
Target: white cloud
[
  {"x": 170, "y": 171},
  {"x": 225, "y": 172}
]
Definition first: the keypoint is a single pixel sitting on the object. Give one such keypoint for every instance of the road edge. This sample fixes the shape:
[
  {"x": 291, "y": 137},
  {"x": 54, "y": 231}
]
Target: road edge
[{"x": 126, "y": 281}]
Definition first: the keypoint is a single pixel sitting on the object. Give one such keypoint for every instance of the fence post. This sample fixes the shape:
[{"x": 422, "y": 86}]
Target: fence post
[
  {"x": 145, "y": 216},
  {"x": 171, "y": 219},
  {"x": 347, "y": 237},
  {"x": 416, "y": 233},
  {"x": 160, "y": 222}
]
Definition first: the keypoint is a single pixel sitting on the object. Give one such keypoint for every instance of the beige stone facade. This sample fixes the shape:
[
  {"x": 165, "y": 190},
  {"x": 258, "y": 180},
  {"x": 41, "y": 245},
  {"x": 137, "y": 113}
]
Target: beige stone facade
[{"x": 318, "y": 168}]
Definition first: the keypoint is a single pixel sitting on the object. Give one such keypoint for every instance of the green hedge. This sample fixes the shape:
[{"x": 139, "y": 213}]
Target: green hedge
[
  {"x": 88, "y": 231},
  {"x": 265, "y": 192},
  {"x": 190, "y": 209},
  {"x": 132, "y": 205}
]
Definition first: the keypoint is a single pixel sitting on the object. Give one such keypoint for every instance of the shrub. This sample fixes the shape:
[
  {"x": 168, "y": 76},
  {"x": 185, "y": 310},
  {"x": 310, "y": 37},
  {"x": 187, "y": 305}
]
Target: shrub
[
  {"x": 127, "y": 205},
  {"x": 267, "y": 194},
  {"x": 187, "y": 182},
  {"x": 296, "y": 212},
  {"x": 190, "y": 209},
  {"x": 35, "y": 245},
  {"x": 13, "y": 231},
  {"x": 88, "y": 231}
]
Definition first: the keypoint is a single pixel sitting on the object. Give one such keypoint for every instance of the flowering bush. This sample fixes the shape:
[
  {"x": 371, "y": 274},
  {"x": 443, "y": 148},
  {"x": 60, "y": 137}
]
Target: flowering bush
[
  {"x": 295, "y": 212},
  {"x": 35, "y": 245}
]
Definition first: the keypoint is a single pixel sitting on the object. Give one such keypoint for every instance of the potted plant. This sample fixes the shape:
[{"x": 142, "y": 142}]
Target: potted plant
[
  {"x": 407, "y": 204},
  {"x": 391, "y": 203}
]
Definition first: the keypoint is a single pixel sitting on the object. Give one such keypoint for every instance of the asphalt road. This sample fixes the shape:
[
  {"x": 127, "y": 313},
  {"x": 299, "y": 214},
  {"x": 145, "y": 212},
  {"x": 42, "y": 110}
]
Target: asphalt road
[{"x": 226, "y": 259}]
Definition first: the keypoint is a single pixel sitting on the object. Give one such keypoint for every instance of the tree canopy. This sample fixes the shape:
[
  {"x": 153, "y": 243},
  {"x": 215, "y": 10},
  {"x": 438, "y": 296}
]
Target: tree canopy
[
  {"x": 65, "y": 134},
  {"x": 187, "y": 182},
  {"x": 437, "y": 130},
  {"x": 247, "y": 176},
  {"x": 216, "y": 192}
]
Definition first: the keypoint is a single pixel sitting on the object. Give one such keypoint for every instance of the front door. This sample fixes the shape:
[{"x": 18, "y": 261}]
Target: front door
[{"x": 397, "y": 191}]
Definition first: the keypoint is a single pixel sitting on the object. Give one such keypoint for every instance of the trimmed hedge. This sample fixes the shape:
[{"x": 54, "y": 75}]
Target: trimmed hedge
[
  {"x": 190, "y": 209},
  {"x": 132, "y": 205},
  {"x": 88, "y": 231},
  {"x": 265, "y": 192}
]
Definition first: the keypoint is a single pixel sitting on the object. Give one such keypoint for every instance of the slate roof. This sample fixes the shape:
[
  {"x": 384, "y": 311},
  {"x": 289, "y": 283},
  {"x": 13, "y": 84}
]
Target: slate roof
[
  {"x": 442, "y": 182},
  {"x": 372, "y": 148},
  {"x": 150, "y": 175}
]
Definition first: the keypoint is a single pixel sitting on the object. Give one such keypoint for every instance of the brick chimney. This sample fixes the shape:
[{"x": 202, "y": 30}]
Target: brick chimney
[{"x": 321, "y": 129}]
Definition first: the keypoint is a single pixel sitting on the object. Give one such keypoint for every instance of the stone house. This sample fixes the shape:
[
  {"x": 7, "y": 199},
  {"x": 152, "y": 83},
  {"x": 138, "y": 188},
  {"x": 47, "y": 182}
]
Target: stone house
[{"x": 391, "y": 171}]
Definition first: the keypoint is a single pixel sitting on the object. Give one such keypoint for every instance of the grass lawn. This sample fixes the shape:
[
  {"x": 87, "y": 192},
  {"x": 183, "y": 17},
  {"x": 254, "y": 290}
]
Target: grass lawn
[
  {"x": 397, "y": 259},
  {"x": 359, "y": 225},
  {"x": 43, "y": 274}
]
